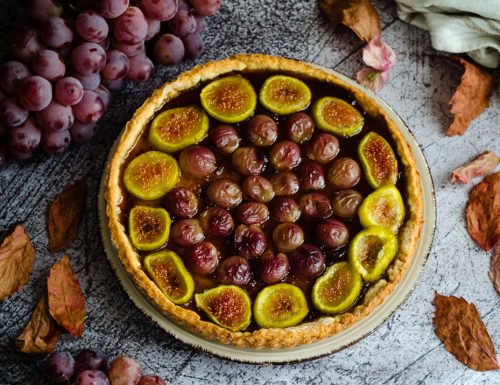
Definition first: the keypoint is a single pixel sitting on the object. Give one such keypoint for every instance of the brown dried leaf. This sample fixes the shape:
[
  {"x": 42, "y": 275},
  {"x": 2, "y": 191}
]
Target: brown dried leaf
[
  {"x": 359, "y": 15},
  {"x": 483, "y": 212},
  {"x": 458, "y": 324},
  {"x": 495, "y": 268},
  {"x": 471, "y": 97},
  {"x": 479, "y": 166},
  {"x": 66, "y": 300},
  {"x": 17, "y": 255},
  {"x": 65, "y": 214},
  {"x": 41, "y": 333}
]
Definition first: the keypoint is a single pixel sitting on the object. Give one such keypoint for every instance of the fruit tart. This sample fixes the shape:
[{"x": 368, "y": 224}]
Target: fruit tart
[{"x": 263, "y": 202}]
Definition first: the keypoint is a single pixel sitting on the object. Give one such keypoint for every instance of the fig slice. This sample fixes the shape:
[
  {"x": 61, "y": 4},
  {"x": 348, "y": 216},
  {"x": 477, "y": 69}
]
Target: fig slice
[
  {"x": 177, "y": 128},
  {"x": 337, "y": 116},
  {"x": 337, "y": 289},
  {"x": 148, "y": 227},
  {"x": 383, "y": 207},
  {"x": 378, "y": 160},
  {"x": 279, "y": 306},
  {"x": 230, "y": 99},
  {"x": 228, "y": 306},
  {"x": 151, "y": 175},
  {"x": 168, "y": 272},
  {"x": 371, "y": 251},
  {"x": 284, "y": 95}
]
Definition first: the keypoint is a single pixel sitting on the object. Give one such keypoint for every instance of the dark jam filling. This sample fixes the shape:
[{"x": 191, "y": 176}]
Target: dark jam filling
[{"x": 348, "y": 148}]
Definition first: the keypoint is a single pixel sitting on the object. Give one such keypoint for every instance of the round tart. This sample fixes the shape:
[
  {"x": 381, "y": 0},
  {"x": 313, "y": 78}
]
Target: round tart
[{"x": 290, "y": 203}]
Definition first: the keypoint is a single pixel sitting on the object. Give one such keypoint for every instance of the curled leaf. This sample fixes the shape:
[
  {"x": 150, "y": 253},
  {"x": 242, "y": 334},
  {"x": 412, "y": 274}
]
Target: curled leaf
[
  {"x": 480, "y": 166},
  {"x": 66, "y": 300},
  {"x": 17, "y": 255},
  {"x": 65, "y": 214},
  {"x": 372, "y": 78},
  {"x": 458, "y": 325},
  {"x": 471, "y": 97},
  {"x": 41, "y": 333},
  {"x": 495, "y": 267},
  {"x": 379, "y": 55},
  {"x": 483, "y": 212}
]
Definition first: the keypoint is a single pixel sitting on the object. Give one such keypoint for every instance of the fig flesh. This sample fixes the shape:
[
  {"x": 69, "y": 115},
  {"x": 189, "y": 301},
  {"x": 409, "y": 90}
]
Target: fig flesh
[
  {"x": 337, "y": 116},
  {"x": 284, "y": 95},
  {"x": 383, "y": 207},
  {"x": 148, "y": 227},
  {"x": 378, "y": 160}
]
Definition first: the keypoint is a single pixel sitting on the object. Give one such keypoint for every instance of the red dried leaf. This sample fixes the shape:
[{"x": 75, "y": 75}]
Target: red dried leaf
[
  {"x": 358, "y": 15},
  {"x": 483, "y": 212},
  {"x": 65, "y": 214},
  {"x": 480, "y": 166},
  {"x": 471, "y": 97},
  {"x": 41, "y": 333},
  {"x": 495, "y": 268},
  {"x": 66, "y": 300},
  {"x": 17, "y": 255},
  {"x": 458, "y": 324}
]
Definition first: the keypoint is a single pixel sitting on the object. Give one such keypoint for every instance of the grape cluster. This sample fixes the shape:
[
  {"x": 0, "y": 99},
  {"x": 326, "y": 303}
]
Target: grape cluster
[
  {"x": 90, "y": 367},
  {"x": 58, "y": 85}
]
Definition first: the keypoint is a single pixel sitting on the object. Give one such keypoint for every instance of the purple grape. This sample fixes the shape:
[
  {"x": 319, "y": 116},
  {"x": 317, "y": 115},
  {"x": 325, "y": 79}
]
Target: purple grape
[
  {"x": 217, "y": 222},
  {"x": 105, "y": 96},
  {"x": 200, "y": 24},
  {"x": 151, "y": 380},
  {"x": 203, "y": 258},
  {"x": 35, "y": 93},
  {"x": 249, "y": 241},
  {"x": 89, "y": 82},
  {"x": 48, "y": 64},
  {"x": 198, "y": 161},
  {"x": 124, "y": 371},
  {"x": 131, "y": 27},
  {"x": 111, "y": 9},
  {"x": 60, "y": 367},
  {"x": 105, "y": 43},
  {"x": 169, "y": 49},
  {"x": 322, "y": 148},
  {"x": 18, "y": 155},
  {"x": 262, "y": 130},
  {"x": 183, "y": 4},
  {"x": 257, "y": 188},
  {"x": 161, "y": 10},
  {"x": 225, "y": 138},
  {"x": 186, "y": 232},
  {"x": 285, "y": 209},
  {"x": 25, "y": 138},
  {"x": 3, "y": 155},
  {"x": 82, "y": 132},
  {"x": 88, "y": 58},
  {"x": 234, "y": 271},
  {"x": 91, "y": 26},
  {"x": 12, "y": 114},
  {"x": 56, "y": 32},
  {"x": 307, "y": 261},
  {"x": 299, "y": 127},
  {"x": 344, "y": 173},
  {"x": 91, "y": 359},
  {"x": 12, "y": 74},
  {"x": 248, "y": 161},
  {"x": 273, "y": 268},
  {"x": 41, "y": 10},
  {"x": 332, "y": 233},
  {"x": 315, "y": 205},
  {"x": 140, "y": 68},
  {"x": 89, "y": 109},
  {"x": 311, "y": 176},
  {"x": 91, "y": 377},
  {"x": 193, "y": 45},
  {"x": 25, "y": 44},
  {"x": 154, "y": 27},
  {"x": 183, "y": 23},
  {"x": 285, "y": 155},
  {"x": 69, "y": 91},
  {"x": 288, "y": 236},
  {"x": 285, "y": 183},
  {"x": 206, "y": 7},
  {"x": 113, "y": 85},
  {"x": 56, "y": 117},
  {"x": 252, "y": 213},
  {"x": 224, "y": 193},
  {"x": 56, "y": 142},
  {"x": 128, "y": 49},
  {"x": 116, "y": 65},
  {"x": 181, "y": 202}
]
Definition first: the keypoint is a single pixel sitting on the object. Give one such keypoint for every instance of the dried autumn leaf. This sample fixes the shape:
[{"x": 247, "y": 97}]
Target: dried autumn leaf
[
  {"x": 479, "y": 166},
  {"x": 483, "y": 212},
  {"x": 66, "y": 300},
  {"x": 65, "y": 214},
  {"x": 495, "y": 267},
  {"x": 17, "y": 255},
  {"x": 41, "y": 333},
  {"x": 457, "y": 323},
  {"x": 358, "y": 15},
  {"x": 471, "y": 97}
]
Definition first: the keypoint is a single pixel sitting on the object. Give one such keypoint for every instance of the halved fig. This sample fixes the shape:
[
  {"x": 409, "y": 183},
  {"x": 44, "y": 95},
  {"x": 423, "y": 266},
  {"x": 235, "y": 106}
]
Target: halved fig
[
  {"x": 371, "y": 251},
  {"x": 168, "y": 272},
  {"x": 230, "y": 99},
  {"x": 280, "y": 306},
  {"x": 383, "y": 207},
  {"x": 337, "y": 116},
  {"x": 176, "y": 128},
  {"x": 337, "y": 289},
  {"x": 284, "y": 95},
  {"x": 151, "y": 175},
  {"x": 378, "y": 160},
  {"x": 148, "y": 227},
  {"x": 227, "y": 305}
]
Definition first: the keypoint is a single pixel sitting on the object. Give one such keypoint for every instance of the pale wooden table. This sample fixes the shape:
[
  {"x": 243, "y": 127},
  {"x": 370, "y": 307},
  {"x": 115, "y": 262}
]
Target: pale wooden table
[{"x": 404, "y": 350}]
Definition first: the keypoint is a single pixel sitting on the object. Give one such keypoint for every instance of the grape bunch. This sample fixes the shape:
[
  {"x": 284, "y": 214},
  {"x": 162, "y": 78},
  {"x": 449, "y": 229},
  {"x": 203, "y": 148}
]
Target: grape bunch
[
  {"x": 74, "y": 53},
  {"x": 90, "y": 367}
]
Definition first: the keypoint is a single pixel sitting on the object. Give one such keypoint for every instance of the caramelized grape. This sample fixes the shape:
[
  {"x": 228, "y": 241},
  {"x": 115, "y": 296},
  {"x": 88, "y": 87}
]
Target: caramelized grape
[
  {"x": 332, "y": 233},
  {"x": 203, "y": 258},
  {"x": 285, "y": 209},
  {"x": 224, "y": 193},
  {"x": 181, "y": 202},
  {"x": 344, "y": 173},
  {"x": 307, "y": 261},
  {"x": 285, "y": 183},
  {"x": 312, "y": 176},
  {"x": 234, "y": 271},
  {"x": 323, "y": 148},
  {"x": 225, "y": 138},
  {"x": 315, "y": 205},
  {"x": 346, "y": 203},
  {"x": 262, "y": 130},
  {"x": 288, "y": 236},
  {"x": 186, "y": 232},
  {"x": 258, "y": 188},
  {"x": 273, "y": 268},
  {"x": 248, "y": 161},
  {"x": 285, "y": 155},
  {"x": 252, "y": 213},
  {"x": 217, "y": 222},
  {"x": 197, "y": 161},
  {"x": 249, "y": 241},
  {"x": 299, "y": 127}
]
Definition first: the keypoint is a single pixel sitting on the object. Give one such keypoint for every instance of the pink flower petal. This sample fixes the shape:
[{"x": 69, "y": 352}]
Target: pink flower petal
[
  {"x": 482, "y": 165},
  {"x": 379, "y": 55},
  {"x": 372, "y": 78}
]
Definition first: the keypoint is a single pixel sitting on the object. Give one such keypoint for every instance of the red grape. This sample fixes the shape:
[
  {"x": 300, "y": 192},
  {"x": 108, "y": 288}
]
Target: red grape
[
  {"x": 203, "y": 258},
  {"x": 124, "y": 371},
  {"x": 88, "y": 58},
  {"x": 193, "y": 45},
  {"x": 273, "y": 268},
  {"x": 131, "y": 27},
  {"x": 89, "y": 82},
  {"x": 200, "y": 24},
  {"x": 183, "y": 23},
  {"x": 154, "y": 27},
  {"x": 25, "y": 44},
  {"x": 140, "y": 68},
  {"x": 217, "y": 222},
  {"x": 116, "y": 65},
  {"x": 92, "y": 377},
  {"x": 12, "y": 114},
  {"x": 35, "y": 93},
  {"x": 91, "y": 359},
  {"x": 111, "y": 9},
  {"x": 206, "y": 7},
  {"x": 60, "y": 367},
  {"x": 12, "y": 74},
  {"x": 56, "y": 117},
  {"x": 307, "y": 261},
  {"x": 48, "y": 64},
  {"x": 91, "y": 26},
  {"x": 25, "y": 138},
  {"x": 105, "y": 95},
  {"x": 89, "y": 109},
  {"x": 69, "y": 91},
  {"x": 169, "y": 49},
  {"x": 105, "y": 43},
  {"x": 56, "y": 142},
  {"x": 234, "y": 271},
  {"x": 113, "y": 85},
  {"x": 187, "y": 232},
  {"x": 183, "y": 4},
  {"x": 181, "y": 202},
  {"x": 82, "y": 132},
  {"x": 159, "y": 9},
  {"x": 151, "y": 380},
  {"x": 56, "y": 32},
  {"x": 128, "y": 49},
  {"x": 249, "y": 241},
  {"x": 41, "y": 10}
]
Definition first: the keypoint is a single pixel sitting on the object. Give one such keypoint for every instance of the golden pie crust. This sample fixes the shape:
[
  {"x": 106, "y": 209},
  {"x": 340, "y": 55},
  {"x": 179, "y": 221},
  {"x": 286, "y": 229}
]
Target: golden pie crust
[{"x": 306, "y": 332}]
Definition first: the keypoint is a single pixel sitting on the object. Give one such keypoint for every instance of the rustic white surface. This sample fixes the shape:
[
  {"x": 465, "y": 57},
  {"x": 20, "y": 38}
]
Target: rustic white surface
[{"x": 404, "y": 350}]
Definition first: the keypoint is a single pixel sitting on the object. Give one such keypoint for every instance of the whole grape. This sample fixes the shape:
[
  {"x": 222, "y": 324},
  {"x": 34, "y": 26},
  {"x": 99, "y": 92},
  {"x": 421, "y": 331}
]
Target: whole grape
[
  {"x": 56, "y": 32},
  {"x": 113, "y": 85},
  {"x": 224, "y": 193},
  {"x": 200, "y": 24},
  {"x": 299, "y": 127},
  {"x": 91, "y": 26},
  {"x": 91, "y": 359},
  {"x": 186, "y": 232},
  {"x": 181, "y": 202},
  {"x": 315, "y": 205},
  {"x": 307, "y": 261},
  {"x": 140, "y": 68},
  {"x": 88, "y": 58},
  {"x": 25, "y": 44},
  {"x": 56, "y": 142},
  {"x": 128, "y": 49},
  {"x": 252, "y": 213},
  {"x": 116, "y": 65},
  {"x": 203, "y": 258},
  {"x": 257, "y": 188},
  {"x": 161, "y": 10},
  {"x": 262, "y": 130},
  {"x": 285, "y": 209},
  {"x": 285, "y": 155},
  {"x": 25, "y": 138},
  {"x": 225, "y": 138},
  {"x": 273, "y": 268},
  {"x": 248, "y": 161},
  {"x": 206, "y": 7},
  {"x": 285, "y": 183},
  {"x": 234, "y": 271},
  {"x": 217, "y": 222},
  {"x": 288, "y": 236},
  {"x": 346, "y": 203},
  {"x": 249, "y": 241},
  {"x": 111, "y": 9},
  {"x": 35, "y": 93},
  {"x": 183, "y": 23},
  {"x": 60, "y": 367},
  {"x": 91, "y": 377},
  {"x": 169, "y": 49},
  {"x": 124, "y": 370},
  {"x": 48, "y": 64},
  {"x": 332, "y": 233},
  {"x": 198, "y": 161},
  {"x": 344, "y": 173},
  {"x": 130, "y": 27},
  {"x": 311, "y": 176},
  {"x": 41, "y": 10},
  {"x": 322, "y": 148},
  {"x": 82, "y": 132},
  {"x": 151, "y": 380},
  {"x": 89, "y": 109},
  {"x": 105, "y": 95},
  {"x": 193, "y": 45},
  {"x": 12, "y": 114},
  {"x": 56, "y": 117},
  {"x": 89, "y": 82},
  {"x": 69, "y": 91},
  {"x": 12, "y": 74}
]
